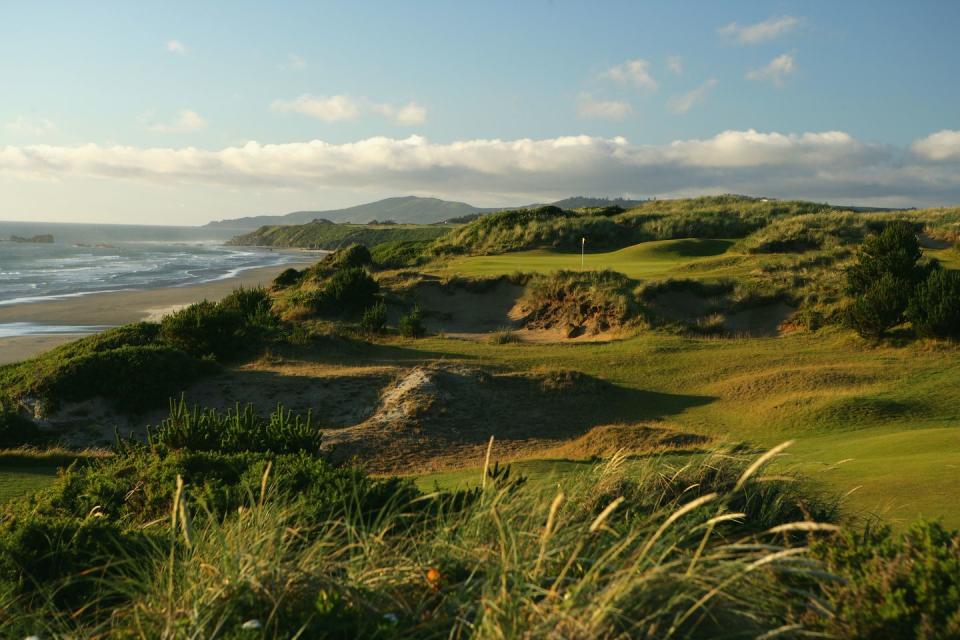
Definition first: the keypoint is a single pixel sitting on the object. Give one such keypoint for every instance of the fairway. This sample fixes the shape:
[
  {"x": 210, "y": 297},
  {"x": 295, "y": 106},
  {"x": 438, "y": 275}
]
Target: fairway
[
  {"x": 689, "y": 257},
  {"x": 17, "y": 481},
  {"x": 891, "y": 412}
]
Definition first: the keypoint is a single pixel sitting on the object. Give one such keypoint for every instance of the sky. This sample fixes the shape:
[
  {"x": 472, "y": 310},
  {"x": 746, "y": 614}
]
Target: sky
[{"x": 184, "y": 112}]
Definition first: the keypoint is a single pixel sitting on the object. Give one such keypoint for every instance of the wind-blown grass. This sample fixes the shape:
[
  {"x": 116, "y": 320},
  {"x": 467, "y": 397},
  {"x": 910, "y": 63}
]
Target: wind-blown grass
[{"x": 708, "y": 549}]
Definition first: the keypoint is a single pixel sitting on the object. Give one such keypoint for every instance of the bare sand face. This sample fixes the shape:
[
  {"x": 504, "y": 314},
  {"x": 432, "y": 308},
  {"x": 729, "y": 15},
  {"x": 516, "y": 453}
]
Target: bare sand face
[{"x": 117, "y": 308}]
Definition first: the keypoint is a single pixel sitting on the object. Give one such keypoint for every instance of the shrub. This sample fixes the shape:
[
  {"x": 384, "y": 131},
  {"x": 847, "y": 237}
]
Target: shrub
[
  {"x": 411, "y": 324},
  {"x": 374, "y": 319},
  {"x": 236, "y": 431},
  {"x": 504, "y": 336},
  {"x": 879, "y": 308},
  {"x": 16, "y": 431},
  {"x": 253, "y": 304},
  {"x": 894, "y": 251},
  {"x": 346, "y": 291},
  {"x": 287, "y": 278},
  {"x": 138, "y": 486},
  {"x": 934, "y": 309},
  {"x": 204, "y": 329},
  {"x": 65, "y": 561},
  {"x": 891, "y": 586},
  {"x": 349, "y": 257}
]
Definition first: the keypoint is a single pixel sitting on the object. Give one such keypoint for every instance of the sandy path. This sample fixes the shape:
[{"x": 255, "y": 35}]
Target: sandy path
[{"x": 116, "y": 308}]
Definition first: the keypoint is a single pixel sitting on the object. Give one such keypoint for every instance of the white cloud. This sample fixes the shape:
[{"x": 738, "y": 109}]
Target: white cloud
[
  {"x": 769, "y": 29},
  {"x": 332, "y": 109},
  {"x": 817, "y": 165},
  {"x": 588, "y": 107},
  {"x": 23, "y": 125},
  {"x": 175, "y": 46},
  {"x": 408, "y": 114},
  {"x": 940, "y": 146},
  {"x": 632, "y": 72},
  {"x": 675, "y": 65},
  {"x": 775, "y": 71},
  {"x": 683, "y": 103},
  {"x": 343, "y": 107},
  {"x": 186, "y": 120}
]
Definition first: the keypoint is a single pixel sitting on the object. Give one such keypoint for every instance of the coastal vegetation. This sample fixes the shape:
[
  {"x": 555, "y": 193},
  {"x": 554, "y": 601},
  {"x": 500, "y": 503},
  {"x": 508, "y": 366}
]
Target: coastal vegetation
[
  {"x": 323, "y": 234},
  {"x": 315, "y": 459}
]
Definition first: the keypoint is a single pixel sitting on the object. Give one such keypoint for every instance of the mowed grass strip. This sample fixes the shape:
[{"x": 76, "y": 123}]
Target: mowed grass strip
[
  {"x": 711, "y": 258},
  {"x": 895, "y": 410}
]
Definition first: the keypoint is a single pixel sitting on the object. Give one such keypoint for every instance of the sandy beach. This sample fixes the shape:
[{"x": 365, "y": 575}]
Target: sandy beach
[{"x": 116, "y": 308}]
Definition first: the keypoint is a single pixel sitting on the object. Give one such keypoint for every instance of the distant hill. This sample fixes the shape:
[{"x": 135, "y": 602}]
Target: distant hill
[{"x": 407, "y": 210}]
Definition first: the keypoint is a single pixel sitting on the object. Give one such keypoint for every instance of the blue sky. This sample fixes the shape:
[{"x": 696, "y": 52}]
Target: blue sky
[{"x": 144, "y": 112}]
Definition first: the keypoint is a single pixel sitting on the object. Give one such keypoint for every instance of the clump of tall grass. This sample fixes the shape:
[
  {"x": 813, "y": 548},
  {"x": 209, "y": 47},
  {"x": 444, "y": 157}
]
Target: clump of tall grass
[
  {"x": 504, "y": 335},
  {"x": 237, "y": 430},
  {"x": 695, "y": 552}
]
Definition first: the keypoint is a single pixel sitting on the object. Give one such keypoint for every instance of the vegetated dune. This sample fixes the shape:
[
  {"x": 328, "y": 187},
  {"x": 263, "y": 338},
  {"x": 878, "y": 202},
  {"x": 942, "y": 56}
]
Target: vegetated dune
[{"x": 441, "y": 416}]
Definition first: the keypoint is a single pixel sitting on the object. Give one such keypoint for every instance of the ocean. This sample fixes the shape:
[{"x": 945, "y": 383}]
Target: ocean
[{"x": 90, "y": 258}]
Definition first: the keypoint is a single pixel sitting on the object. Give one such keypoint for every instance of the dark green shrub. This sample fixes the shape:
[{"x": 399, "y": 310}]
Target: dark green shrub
[
  {"x": 251, "y": 303},
  {"x": 15, "y": 430},
  {"x": 878, "y": 308},
  {"x": 66, "y": 561},
  {"x": 236, "y": 431},
  {"x": 346, "y": 291},
  {"x": 204, "y": 329},
  {"x": 348, "y": 257},
  {"x": 133, "y": 377},
  {"x": 411, "y": 324},
  {"x": 893, "y": 586},
  {"x": 894, "y": 251},
  {"x": 287, "y": 278},
  {"x": 138, "y": 486},
  {"x": 374, "y": 319},
  {"x": 934, "y": 309}
]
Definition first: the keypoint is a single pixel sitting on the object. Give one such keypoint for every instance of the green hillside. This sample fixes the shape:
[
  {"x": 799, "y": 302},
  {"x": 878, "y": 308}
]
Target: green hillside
[
  {"x": 407, "y": 210},
  {"x": 329, "y": 236}
]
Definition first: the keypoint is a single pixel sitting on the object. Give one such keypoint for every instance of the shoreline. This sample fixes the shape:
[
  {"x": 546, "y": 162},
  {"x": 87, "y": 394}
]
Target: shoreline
[{"x": 116, "y": 308}]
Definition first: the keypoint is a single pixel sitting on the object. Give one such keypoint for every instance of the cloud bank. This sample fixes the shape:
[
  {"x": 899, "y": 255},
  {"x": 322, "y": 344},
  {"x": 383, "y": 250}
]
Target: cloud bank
[{"x": 829, "y": 165}]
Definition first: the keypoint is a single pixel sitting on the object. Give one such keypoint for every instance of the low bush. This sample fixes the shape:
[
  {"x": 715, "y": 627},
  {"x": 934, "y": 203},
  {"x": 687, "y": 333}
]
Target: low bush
[
  {"x": 890, "y": 585},
  {"x": 223, "y": 330},
  {"x": 878, "y": 308},
  {"x": 287, "y": 278},
  {"x": 934, "y": 309},
  {"x": 349, "y": 257},
  {"x": 204, "y": 329},
  {"x": 374, "y": 319},
  {"x": 411, "y": 324},
  {"x": 16, "y": 431},
  {"x": 236, "y": 431},
  {"x": 346, "y": 291}
]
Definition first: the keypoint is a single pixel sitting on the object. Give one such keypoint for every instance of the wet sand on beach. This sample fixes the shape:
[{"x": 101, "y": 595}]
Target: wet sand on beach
[{"x": 116, "y": 308}]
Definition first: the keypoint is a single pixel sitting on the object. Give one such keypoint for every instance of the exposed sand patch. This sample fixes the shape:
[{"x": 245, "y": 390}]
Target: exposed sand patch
[
  {"x": 455, "y": 309},
  {"x": 157, "y": 314},
  {"x": 441, "y": 416}
]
